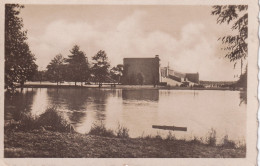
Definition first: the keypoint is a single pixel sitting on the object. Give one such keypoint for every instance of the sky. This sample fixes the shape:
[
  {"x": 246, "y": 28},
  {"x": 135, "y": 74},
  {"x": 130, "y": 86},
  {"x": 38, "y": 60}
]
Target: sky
[{"x": 185, "y": 37}]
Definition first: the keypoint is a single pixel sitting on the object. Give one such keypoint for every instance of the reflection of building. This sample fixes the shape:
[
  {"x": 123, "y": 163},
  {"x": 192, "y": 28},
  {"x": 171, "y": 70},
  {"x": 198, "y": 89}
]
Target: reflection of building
[
  {"x": 173, "y": 77},
  {"x": 141, "y": 94},
  {"x": 141, "y": 71}
]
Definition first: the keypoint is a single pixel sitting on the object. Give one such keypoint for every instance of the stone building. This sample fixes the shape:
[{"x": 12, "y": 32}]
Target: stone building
[{"x": 141, "y": 71}]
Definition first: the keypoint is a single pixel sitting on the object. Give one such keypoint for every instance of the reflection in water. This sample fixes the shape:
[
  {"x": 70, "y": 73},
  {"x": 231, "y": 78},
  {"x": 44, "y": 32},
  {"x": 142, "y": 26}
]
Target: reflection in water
[
  {"x": 79, "y": 102},
  {"x": 141, "y": 94},
  {"x": 20, "y": 101},
  {"x": 138, "y": 109},
  {"x": 76, "y": 117},
  {"x": 99, "y": 104},
  {"x": 73, "y": 99},
  {"x": 243, "y": 97},
  {"x": 70, "y": 100}
]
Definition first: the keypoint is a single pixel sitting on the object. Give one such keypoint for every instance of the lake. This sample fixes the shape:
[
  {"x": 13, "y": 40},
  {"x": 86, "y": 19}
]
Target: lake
[{"x": 139, "y": 109}]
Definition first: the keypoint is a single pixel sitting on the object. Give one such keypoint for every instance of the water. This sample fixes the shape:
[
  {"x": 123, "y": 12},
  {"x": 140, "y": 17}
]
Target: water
[{"x": 138, "y": 110}]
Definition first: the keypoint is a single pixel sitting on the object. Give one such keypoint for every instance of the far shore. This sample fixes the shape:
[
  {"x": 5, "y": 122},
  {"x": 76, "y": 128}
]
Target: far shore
[{"x": 115, "y": 86}]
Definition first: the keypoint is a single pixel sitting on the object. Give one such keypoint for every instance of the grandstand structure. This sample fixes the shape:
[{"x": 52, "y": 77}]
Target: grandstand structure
[{"x": 176, "y": 78}]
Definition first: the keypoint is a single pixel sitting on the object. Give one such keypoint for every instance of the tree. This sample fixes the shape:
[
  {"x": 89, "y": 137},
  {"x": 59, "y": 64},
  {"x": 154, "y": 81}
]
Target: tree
[
  {"x": 78, "y": 70},
  {"x": 235, "y": 45},
  {"x": 55, "y": 68},
  {"x": 100, "y": 67},
  {"x": 19, "y": 60},
  {"x": 41, "y": 75},
  {"x": 117, "y": 72},
  {"x": 242, "y": 82}
]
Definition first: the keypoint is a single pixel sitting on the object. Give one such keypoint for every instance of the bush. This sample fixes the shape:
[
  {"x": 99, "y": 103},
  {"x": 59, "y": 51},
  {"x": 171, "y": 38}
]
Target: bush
[
  {"x": 100, "y": 130},
  {"x": 51, "y": 119},
  {"x": 27, "y": 122}
]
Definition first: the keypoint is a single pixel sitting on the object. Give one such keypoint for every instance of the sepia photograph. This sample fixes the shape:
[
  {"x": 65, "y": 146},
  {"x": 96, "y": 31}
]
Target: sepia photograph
[{"x": 126, "y": 81}]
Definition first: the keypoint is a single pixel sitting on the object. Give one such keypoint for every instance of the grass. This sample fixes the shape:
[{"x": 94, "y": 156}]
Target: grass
[
  {"x": 47, "y": 135},
  {"x": 64, "y": 144},
  {"x": 170, "y": 136},
  {"x": 99, "y": 129},
  {"x": 122, "y": 132},
  {"x": 158, "y": 136},
  {"x": 52, "y": 120},
  {"x": 212, "y": 138},
  {"x": 228, "y": 143},
  {"x": 195, "y": 140}
]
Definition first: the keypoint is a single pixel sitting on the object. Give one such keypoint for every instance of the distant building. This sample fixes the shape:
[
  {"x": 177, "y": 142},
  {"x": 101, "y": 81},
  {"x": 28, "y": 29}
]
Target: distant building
[
  {"x": 193, "y": 77},
  {"x": 218, "y": 83},
  {"x": 173, "y": 77},
  {"x": 141, "y": 71}
]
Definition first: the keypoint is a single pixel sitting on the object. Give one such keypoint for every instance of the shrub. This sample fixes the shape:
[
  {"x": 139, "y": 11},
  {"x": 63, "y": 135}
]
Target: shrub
[
  {"x": 51, "y": 119},
  {"x": 27, "y": 122},
  {"x": 100, "y": 130}
]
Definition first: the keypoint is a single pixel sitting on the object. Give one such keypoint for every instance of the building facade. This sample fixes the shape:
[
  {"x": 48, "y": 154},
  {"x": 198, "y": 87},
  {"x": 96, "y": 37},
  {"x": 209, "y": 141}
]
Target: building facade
[
  {"x": 141, "y": 71},
  {"x": 193, "y": 77}
]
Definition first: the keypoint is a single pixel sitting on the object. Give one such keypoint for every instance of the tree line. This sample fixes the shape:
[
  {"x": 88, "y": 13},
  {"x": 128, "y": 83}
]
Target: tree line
[
  {"x": 76, "y": 68},
  {"x": 20, "y": 63}
]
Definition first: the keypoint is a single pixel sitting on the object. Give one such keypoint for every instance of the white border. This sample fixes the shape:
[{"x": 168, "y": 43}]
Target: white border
[{"x": 252, "y": 104}]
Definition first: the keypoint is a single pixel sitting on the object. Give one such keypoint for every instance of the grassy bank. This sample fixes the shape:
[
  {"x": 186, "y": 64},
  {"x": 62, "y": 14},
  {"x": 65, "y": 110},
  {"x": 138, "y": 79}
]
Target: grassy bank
[
  {"x": 40, "y": 143},
  {"x": 50, "y": 135}
]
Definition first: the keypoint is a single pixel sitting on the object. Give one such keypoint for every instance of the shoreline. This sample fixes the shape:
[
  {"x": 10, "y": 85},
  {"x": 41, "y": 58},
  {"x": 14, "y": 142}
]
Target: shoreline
[
  {"x": 38, "y": 143},
  {"x": 50, "y": 135},
  {"x": 119, "y": 86}
]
